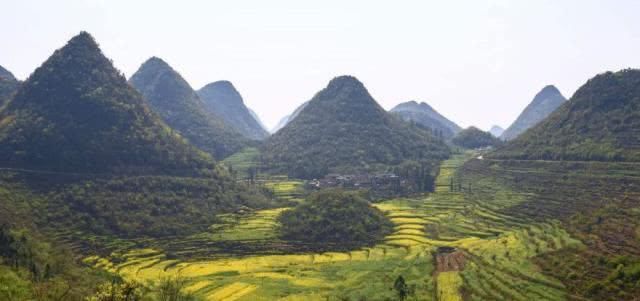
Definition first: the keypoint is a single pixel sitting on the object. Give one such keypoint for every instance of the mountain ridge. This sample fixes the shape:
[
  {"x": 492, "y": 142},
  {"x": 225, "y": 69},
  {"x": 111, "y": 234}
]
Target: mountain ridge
[
  {"x": 173, "y": 99},
  {"x": 344, "y": 129},
  {"x": 76, "y": 113},
  {"x": 286, "y": 119},
  {"x": 422, "y": 113},
  {"x": 601, "y": 122},
  {"x": 544, "y": 103},
  {"x": 223, "y": 99}
]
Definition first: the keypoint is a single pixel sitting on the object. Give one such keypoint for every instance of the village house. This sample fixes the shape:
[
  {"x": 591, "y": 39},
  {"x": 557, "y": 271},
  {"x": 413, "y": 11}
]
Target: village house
[{"x": 358, "y": 181}]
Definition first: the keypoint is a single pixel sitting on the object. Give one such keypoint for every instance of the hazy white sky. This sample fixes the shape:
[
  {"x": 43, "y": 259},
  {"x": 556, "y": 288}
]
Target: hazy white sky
[{"x": 477, "y": 62}]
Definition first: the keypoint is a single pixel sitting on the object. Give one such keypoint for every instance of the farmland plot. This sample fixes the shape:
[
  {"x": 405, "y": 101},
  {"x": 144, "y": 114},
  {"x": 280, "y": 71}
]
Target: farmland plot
[{"x": 493, "y": 253}]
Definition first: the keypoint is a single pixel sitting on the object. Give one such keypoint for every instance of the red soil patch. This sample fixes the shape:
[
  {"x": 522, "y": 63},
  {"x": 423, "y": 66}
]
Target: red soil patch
[{"x": 453, "y": 261}]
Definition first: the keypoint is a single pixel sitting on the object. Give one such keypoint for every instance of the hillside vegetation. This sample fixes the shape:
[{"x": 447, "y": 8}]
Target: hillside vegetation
[
  {"x": 454, "y": 243},
  {"x": 335, "y": 217},
  {"x": 86, "y": 166},
  {"x": 600, "y": 122},
  {"x": 76, "y": 113},
  {"x": 222, "y": 99},
  {"x": 543, "y": 104},
  {"x": 112, "y": 193},
  {"x": 343, "y": 129},
  {"x": 85, "y": 153},
  {"x": 597, "y": 202},
  {"x": 8, "y": 85},
  {"x": 171, "y": 97},
  {"x": 473, "y": 137}
]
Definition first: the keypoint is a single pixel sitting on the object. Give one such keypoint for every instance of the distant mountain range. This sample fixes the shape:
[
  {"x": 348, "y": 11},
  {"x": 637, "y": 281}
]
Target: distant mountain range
[
  {"x": 425, "y": 115},
  {"x": 600, "y": 122},
  {"x": 543, "y": 104},
  {"x": 173, "y": 99},
  {"x": 8, "y": 85},
  {"x": 473, "y": 137},
  {"x": 496, "y": 131},
  {"x": 222, "y": 99},
  {"x": 286, "y": 119},
  {"x": 344, "y": 129},
  {"x": 257, "y": 118}
]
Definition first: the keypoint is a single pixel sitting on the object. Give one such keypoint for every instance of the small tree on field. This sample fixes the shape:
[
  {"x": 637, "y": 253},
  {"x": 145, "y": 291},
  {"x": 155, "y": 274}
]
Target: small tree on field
[{"x": 401, "y": 288}]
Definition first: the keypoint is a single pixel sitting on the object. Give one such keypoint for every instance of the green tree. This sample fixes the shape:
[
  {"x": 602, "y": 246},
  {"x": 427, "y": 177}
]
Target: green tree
[
  {"x": 401, "y": 288},
  {"x": 344, "y": 219},
  {"x": 172, "y": 289},
  {"x": 119, "y": 291}
]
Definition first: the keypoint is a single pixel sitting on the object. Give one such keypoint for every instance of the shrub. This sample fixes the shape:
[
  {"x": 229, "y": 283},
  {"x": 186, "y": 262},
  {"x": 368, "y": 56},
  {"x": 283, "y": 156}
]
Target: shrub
[{"x": 335, "y": 217}]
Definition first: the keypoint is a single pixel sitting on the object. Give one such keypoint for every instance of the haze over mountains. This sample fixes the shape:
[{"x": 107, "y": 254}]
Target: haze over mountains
[
  {"x": 425, "y": 115},
  {"x": 600, "y": 122},
  {"x": 173, "y": 99},
  {"x": 343, "y": 128},
  {"x": 222, "y": 99},
  {"x": 543, "y": 104},
  {"x": 288, "y": 118},
  {"x": 496, "y": 131}
]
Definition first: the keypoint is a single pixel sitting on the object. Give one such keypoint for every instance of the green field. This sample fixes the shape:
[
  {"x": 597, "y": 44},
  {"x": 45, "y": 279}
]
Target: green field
[
  {"x": 498, "y": 252},
  {"x": 242, "y": 161}
]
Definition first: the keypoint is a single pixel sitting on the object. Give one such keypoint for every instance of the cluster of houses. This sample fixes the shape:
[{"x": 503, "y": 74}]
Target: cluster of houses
[{"x": 359, "y": 181}]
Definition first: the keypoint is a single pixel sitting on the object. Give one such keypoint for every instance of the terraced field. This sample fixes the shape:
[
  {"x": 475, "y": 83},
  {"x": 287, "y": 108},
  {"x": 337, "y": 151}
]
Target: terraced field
[
  {"x": 242, "y": 161},
  {"x": 285, "y": 189},
  {"x": 447, "y": 245}
]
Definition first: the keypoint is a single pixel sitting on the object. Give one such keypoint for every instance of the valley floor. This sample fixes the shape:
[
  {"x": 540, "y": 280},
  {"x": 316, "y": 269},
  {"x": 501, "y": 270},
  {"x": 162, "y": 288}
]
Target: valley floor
[{"x": 447, "y": 245}]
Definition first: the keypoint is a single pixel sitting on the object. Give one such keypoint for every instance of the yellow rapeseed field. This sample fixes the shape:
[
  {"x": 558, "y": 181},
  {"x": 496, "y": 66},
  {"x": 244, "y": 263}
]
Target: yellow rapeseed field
[{"x": 367, "y": 273}]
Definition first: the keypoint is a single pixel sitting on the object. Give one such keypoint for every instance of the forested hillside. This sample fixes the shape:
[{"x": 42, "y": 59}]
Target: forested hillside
[
  {"x": 85, "y": 165},
  {"x": 600, "y": 122},
  {"x": 173, "y": 99},
  {"x": 343, "y": 219},
  {"x": 85, "y": 152},
  {"x": 76, "y": 113},
  {"x": 473, "y": 137},
  {"x": 343, "y": 129},
  {"x": 222, "y": 99}
]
